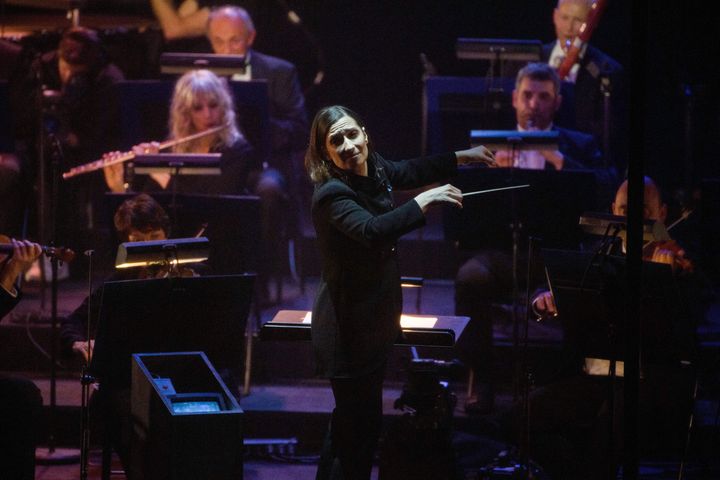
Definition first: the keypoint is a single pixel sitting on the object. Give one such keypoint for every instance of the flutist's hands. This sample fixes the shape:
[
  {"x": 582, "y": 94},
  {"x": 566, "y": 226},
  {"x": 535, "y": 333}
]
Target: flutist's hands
[
  {"x": 438, "y": 195},
  {"x": 478, "y": 154},
  {"x": 151, "y": 148},
  {"x": 114, "y": 173},
  {"x": 146, "y": 148}
]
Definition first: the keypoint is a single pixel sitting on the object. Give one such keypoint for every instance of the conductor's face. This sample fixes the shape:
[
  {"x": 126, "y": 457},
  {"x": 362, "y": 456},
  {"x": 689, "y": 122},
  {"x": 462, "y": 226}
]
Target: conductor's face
[
  {"x": 346, "y": 145},
  {"x": 535, "y": 103}
]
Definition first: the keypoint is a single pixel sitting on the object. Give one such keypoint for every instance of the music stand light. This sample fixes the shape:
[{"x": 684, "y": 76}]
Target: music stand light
[
  {"x": 177, "y": 163},
  {"x": 222, "y": 65},
  {"x": 172, "y": 252},
  {"x": 515, "y": 140},
  {"x": 503, "y": 49},
  {"x": 506, "y": 55},
  {"x": 596, "y": 223}
]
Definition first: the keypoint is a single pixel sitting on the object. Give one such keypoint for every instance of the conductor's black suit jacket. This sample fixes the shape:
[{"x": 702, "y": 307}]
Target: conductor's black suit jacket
[{"x": 356, "y": 313}]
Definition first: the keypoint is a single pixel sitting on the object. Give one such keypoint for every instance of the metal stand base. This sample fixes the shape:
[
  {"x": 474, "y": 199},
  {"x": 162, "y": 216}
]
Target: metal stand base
[{"x": 56, "y": 456}]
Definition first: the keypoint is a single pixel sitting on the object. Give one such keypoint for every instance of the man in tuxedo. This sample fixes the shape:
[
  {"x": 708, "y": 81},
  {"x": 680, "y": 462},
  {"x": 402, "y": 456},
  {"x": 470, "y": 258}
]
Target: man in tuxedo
[
  {"x": 231, "y": 31},
  {"x": 593, "y": 74},
  {"x": 536, "y": 98}
]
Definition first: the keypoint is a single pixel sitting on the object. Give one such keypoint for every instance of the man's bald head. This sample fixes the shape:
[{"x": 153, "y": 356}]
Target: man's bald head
[
  {"x": 653, "y": 206},
  {"x": 230, "y": 30}
]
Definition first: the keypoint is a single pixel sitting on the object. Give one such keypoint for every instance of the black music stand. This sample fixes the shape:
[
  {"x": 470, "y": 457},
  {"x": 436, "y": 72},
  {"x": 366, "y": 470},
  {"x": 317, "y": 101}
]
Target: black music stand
[
  {"x": 484, "y": 221},
  {"x": 604, "y": 224},
  {"x": 222, "y": 65},
  {"x": 177, "y": 163},
  {"x": 232, "y": 223},
  {"x": 417, "y": 330},
  {"x": 515, "y": 140},
  {"x": 506, "y": 55},
  {"x": 456, "y": 105},
  {"x": 590, "y": 293},
  {"x": 171, "y": 314},
  {"x": 206, "y": 314}
]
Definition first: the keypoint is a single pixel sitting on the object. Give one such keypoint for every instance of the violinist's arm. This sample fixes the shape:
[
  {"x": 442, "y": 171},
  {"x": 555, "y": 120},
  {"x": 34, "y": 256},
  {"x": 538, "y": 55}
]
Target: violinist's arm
[{"x": 24, "y": 254}]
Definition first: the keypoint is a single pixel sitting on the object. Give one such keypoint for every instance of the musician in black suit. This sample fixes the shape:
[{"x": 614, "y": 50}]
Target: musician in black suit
[
  {"x": 78, "y": 112},
  {"x": 536, "y": 98},
  {"x": 356, "y": 313},
  {"x": 230, "y": 30},
  {"x": 20, "y": 399},
  {"x": 583, "y": 88}
]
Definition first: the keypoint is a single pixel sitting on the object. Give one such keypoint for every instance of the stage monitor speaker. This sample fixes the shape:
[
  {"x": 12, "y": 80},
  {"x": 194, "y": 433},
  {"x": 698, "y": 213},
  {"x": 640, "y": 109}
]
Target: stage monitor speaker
[{"x": 185, "y": 422}]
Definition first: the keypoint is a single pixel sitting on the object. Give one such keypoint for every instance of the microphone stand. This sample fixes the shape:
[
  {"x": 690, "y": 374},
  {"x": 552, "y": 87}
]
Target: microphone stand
[
  {"x": 54, "y": 455},
  {"x": 515, "y": 226},
  {"x": 86, "y": 380},
  {"x": 527, "y": 377}
]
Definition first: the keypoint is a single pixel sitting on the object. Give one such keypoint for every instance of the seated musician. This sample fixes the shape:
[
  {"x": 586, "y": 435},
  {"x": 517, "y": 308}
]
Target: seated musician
[
  {"x": 201, "y": 101},
  {"x": 78, "y": 111},
  {"x": 487, "y": 276},
  {"x": 138, "y": 219},
  {"x": 536, "y": 98},
  {"x": 669, "y": 252},
  {"x": 20, "y": 399},
  {"x": 577, "y": 400}
]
